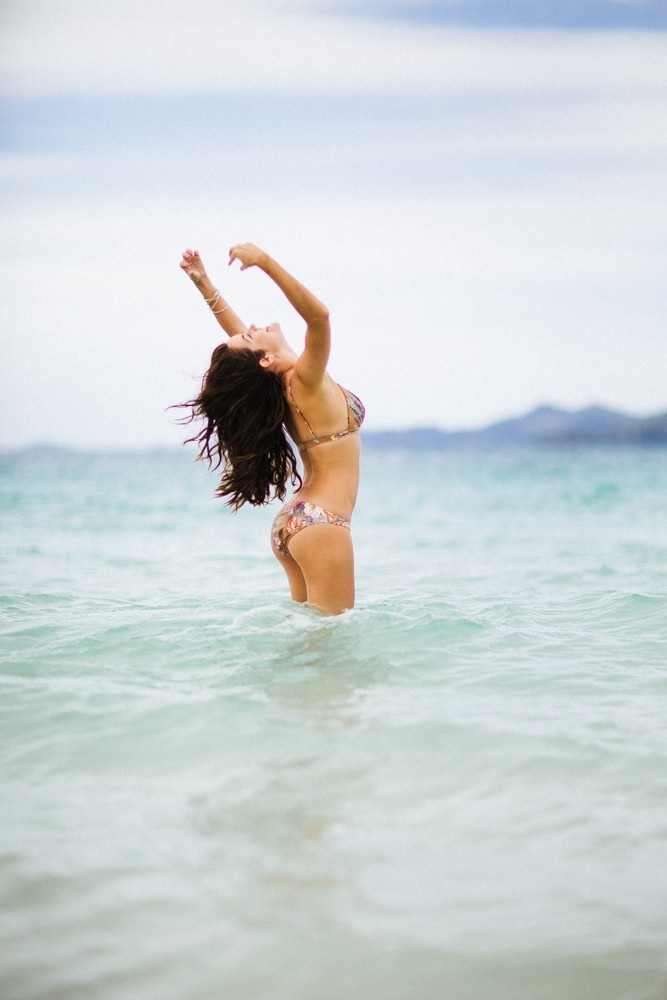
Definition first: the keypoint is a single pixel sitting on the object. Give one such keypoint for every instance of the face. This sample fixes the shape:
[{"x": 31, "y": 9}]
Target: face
[{"x": 259, "y": 338}]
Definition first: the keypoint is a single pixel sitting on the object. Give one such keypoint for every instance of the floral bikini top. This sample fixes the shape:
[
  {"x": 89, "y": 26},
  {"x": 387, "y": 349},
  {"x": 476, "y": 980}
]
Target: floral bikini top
[{"x": 356, "y": 412}]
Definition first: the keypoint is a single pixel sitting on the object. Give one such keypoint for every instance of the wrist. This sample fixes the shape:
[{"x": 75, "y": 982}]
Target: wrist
[{"x": 216, "y": 303}]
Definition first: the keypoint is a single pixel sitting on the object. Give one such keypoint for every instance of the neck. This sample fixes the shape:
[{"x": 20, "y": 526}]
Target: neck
[{"x": 285, "y": 359}]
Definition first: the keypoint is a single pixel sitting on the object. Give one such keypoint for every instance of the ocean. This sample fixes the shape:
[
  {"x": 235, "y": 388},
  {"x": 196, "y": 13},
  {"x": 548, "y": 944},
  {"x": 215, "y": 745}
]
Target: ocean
[{"x": 456, "y": 790}]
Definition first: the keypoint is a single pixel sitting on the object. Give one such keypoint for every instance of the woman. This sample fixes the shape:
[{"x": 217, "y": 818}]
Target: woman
[{"x": 255, "y": 388}]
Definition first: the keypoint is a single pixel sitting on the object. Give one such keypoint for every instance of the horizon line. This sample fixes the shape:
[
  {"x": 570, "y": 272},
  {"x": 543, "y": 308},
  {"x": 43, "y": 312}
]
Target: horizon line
[{"x": 46, "y": 445}]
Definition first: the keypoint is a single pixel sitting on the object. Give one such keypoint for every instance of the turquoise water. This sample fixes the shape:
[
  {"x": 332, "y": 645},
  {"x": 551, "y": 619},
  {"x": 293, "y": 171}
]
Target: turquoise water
[{"x": 458, "y": 789}]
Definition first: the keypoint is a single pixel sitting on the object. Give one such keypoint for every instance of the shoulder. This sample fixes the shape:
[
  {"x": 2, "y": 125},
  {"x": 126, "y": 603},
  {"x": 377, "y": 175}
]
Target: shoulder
[{"x": 307, "y": 384}]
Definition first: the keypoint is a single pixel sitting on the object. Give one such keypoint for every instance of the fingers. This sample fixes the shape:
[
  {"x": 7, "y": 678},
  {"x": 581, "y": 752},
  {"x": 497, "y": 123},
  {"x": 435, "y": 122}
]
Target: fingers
[
  {"x": 236, "y": 253},
  {"x": 192, "y": 264}
]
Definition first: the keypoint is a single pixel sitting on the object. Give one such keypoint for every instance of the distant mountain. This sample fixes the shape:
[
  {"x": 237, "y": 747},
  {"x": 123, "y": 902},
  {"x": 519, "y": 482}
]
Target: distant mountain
[{"x": 546, "y": 425}]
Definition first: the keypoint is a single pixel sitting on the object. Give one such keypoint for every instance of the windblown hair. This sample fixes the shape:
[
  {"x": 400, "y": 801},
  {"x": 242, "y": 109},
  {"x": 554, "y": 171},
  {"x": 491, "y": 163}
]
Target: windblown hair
[{"x": 244, "y": 409}]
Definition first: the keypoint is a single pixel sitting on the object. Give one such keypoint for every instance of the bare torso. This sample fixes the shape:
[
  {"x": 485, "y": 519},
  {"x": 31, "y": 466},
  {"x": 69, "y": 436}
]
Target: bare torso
[{"x": 330, "y": 468}]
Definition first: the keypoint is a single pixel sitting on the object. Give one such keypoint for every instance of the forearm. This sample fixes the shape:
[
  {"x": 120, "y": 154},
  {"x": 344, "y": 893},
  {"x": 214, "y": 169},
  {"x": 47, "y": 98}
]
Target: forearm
[
  {"x": 306, "y": 304},
  {"x": 223, "y": 312}
]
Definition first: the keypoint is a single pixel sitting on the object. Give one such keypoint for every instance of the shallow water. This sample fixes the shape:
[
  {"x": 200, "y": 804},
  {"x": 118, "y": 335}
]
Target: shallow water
[{"x": 457, "y": 789}]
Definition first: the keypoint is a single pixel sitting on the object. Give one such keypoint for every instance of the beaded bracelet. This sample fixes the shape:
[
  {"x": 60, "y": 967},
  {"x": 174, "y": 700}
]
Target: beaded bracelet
[{"x": 213, "y": 301}]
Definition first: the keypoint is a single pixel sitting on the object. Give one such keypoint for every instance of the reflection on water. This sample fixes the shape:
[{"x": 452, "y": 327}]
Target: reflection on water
[{"x": 323, "y": 669}]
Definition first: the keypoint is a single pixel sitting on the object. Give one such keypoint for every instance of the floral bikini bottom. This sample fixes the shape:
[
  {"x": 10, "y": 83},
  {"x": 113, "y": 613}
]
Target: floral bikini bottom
[{"x": 298, "y": 514}]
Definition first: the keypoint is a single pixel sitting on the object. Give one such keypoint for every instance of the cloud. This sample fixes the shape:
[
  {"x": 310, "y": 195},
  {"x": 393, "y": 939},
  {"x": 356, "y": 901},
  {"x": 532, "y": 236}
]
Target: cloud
[
  {"x": 254, "y": 47},
  {"x": 69, "y": 148}
]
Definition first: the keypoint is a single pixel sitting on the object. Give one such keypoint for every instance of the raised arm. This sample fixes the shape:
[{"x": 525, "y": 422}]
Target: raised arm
[
  {"x": 312, "y": 363},
  {"x": 193, "y": 266}
]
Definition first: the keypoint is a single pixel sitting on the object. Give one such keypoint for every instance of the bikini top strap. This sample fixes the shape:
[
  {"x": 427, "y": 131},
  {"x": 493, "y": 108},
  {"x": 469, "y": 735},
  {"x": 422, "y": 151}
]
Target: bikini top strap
[{"x": 296, "y": 407}]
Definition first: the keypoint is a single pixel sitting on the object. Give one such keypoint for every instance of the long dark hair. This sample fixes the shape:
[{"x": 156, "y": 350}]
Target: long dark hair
[{"x": 244, "y": 409}]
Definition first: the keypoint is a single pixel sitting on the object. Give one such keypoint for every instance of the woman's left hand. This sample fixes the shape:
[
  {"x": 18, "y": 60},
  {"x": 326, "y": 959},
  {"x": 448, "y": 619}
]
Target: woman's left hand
[{"x": 247, "y": 253}]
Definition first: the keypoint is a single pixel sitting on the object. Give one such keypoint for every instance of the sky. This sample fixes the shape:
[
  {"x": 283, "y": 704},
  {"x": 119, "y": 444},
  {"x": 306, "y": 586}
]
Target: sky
[{"x": 474, "y": 188}]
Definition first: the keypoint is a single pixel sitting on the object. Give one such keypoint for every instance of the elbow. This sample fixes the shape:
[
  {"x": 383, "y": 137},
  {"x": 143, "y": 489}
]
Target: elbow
[{"x": 316, "y": 316}]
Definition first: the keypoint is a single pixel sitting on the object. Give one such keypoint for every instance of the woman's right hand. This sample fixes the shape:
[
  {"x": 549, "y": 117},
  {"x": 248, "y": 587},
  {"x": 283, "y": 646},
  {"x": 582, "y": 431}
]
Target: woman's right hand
[
  {"x": 248, "y": 254},
  {"x": 193, "y": 266}
]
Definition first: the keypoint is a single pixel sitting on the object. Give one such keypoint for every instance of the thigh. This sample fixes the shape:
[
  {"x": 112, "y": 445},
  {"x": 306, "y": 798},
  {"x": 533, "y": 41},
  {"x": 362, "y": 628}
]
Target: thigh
[
  {"x": 324, "y": 554},
  {"x": 295, "y": 578}
]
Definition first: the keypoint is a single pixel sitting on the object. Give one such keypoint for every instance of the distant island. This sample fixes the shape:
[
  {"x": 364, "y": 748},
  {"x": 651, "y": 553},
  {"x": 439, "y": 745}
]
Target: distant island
[{"x": 543, "y": 426}]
